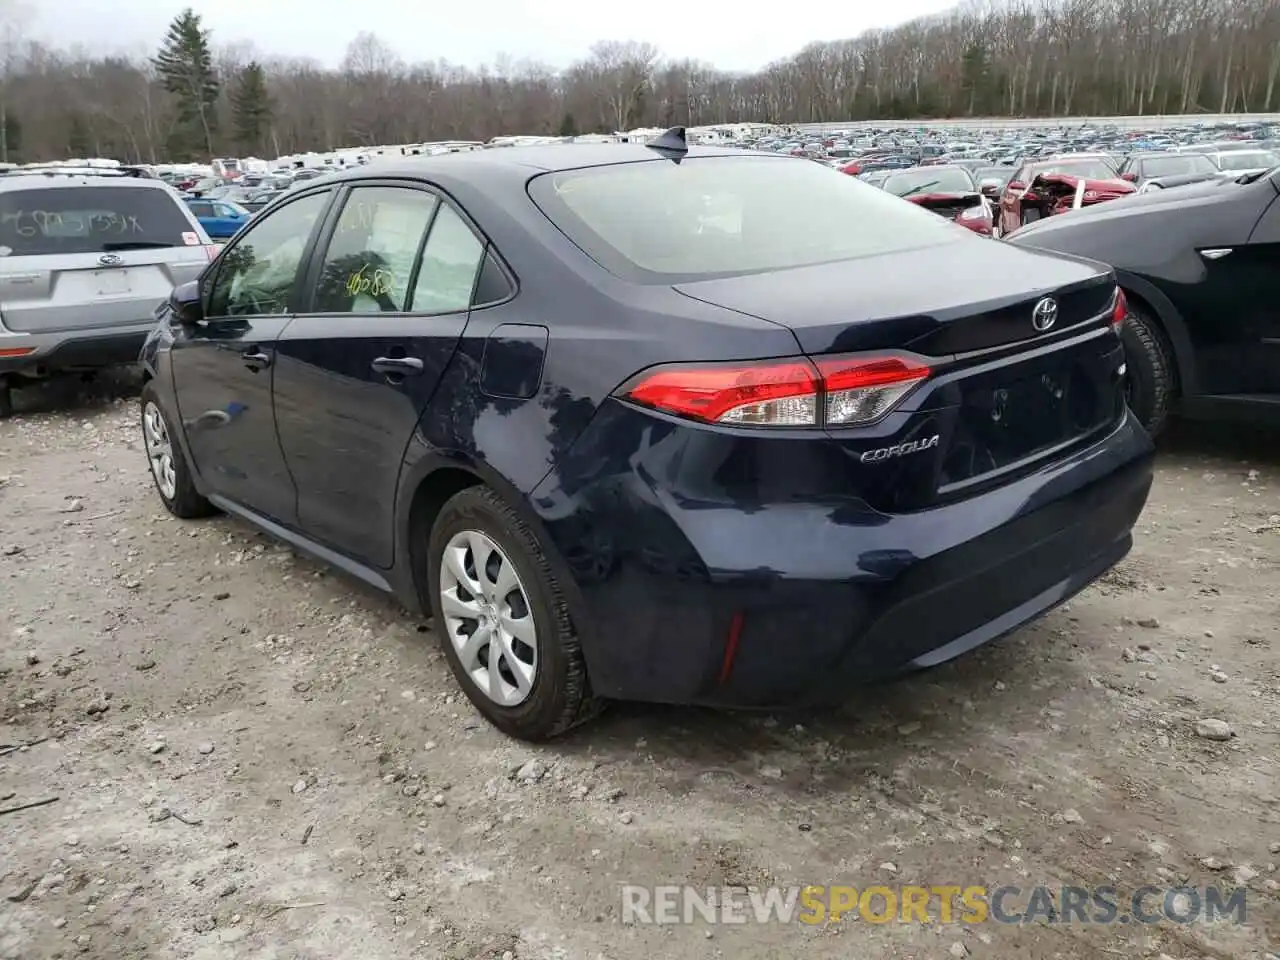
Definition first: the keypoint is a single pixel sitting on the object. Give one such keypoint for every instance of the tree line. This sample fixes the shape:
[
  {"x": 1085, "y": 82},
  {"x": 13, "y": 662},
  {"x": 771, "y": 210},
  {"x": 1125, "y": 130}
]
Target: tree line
[{"x": 198, "y": 96}]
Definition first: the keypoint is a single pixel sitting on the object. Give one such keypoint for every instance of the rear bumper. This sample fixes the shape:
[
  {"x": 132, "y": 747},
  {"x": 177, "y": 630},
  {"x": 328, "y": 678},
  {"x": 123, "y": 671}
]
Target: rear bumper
[
  {"x": 793, "y": 604},
  {"x": 69, "y": 351}
]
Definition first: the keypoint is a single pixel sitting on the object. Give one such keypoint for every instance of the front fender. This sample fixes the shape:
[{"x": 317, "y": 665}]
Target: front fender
[{"x": 1173, "y": 324}]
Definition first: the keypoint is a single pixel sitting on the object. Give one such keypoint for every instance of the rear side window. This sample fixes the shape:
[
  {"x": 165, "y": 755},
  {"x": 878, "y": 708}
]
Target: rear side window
[
  {"x": 90, "y": 220},
  {"x": 660, "y": 222}
]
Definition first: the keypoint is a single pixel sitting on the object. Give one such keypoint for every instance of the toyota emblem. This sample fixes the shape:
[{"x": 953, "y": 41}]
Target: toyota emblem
[
  {"x": 111, "y": 260},
  {"x": 1045, "y": 314}
]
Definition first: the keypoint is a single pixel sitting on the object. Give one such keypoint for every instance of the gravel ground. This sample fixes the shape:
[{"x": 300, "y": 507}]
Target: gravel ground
[{"x": 253, "y": 757}]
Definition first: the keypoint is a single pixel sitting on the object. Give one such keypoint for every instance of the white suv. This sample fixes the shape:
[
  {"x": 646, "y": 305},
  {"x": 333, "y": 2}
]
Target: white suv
[{"x": 85, "y": 257}]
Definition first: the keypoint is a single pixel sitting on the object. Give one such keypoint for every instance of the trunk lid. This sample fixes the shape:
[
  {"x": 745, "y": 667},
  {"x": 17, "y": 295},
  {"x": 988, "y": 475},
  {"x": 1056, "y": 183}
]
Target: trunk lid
[
  {"x": 1004, "y": 398},
  {"x": 938, "y": 301},
  {"x": 949, "y": 205}
]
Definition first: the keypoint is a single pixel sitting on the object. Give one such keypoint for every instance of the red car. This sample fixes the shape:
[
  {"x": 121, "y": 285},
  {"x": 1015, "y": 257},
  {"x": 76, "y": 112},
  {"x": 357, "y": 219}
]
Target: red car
[
  {"x": 949, "y": 191},
  {"x": 1049, "y": 187}
]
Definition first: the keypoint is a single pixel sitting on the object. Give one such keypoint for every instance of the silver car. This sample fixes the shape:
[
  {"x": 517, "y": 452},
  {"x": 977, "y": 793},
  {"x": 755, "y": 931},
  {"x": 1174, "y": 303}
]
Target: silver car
[{"x": 85, "y": 258}]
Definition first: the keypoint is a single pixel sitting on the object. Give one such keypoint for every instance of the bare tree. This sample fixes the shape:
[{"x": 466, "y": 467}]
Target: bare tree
[{"x": 985, "y": 58}]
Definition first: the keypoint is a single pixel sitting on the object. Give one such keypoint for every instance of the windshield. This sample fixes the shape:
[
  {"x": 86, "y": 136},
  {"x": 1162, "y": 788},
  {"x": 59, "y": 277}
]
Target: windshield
[
  {"x": 1088, "y": 169},
  {"x": 1247, "y": 160},
  {"x": 658, "y": 221},
  {"x": 939, "y": 180},
  {"x": 90, "y": 220},
  {"x": 1177, "y": 165}
]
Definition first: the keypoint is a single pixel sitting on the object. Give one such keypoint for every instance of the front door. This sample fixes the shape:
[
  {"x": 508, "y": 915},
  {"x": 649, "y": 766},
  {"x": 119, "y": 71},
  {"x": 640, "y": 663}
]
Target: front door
[
  {"x": 223, "y": 368},
  {"x": 390, "y": 298}
]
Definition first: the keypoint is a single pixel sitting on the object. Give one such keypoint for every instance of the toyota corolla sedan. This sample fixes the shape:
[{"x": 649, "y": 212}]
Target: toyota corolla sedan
[{"x": 659, "y": 422}]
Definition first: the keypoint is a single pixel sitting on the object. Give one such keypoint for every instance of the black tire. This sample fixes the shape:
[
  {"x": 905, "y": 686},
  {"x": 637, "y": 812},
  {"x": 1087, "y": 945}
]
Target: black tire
[
  {"x": 560, "y": 697},
  {"x": 186, "y": 503},
  {"x": 1150, "y": 383},
  {"x": 6, "y": 398}
]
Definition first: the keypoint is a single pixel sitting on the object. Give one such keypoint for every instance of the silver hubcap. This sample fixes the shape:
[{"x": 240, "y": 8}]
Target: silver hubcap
[
  {"x": 487, "y": 617},
  {"x": 159, "y": 450}
]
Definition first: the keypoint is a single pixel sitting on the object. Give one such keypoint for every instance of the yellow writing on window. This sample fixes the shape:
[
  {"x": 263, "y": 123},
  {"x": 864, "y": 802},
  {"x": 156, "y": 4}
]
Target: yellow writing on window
[{"x": 375, "y": 283}]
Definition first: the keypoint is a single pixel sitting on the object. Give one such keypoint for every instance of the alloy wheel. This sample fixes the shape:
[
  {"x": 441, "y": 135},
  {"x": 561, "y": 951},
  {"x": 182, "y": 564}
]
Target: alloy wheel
[
  {"x": 159, "y": 450},
  {"x": 488, "y": 618}
]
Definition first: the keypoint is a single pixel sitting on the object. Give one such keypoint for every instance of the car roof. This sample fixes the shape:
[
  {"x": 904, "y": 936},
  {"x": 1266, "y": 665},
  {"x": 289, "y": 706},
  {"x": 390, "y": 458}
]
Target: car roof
[
  {"x": 505, "y": 163},
  {"x": 45, "y": 180}
]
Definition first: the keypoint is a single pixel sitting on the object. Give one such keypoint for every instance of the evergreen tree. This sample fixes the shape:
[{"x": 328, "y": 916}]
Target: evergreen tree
[
  {"x": 568, "y": 126},
  {"x": 185, "y": 66},
  {"x": 251, "y": 108}
]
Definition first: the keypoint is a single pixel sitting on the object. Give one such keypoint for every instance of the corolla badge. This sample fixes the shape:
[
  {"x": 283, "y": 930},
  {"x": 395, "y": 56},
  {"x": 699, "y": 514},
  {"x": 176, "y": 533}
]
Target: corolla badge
[
  {"x": 1045, "y": 314},
  {"x": 110, "y": 260},
  {"x": 900, "y": 449}
]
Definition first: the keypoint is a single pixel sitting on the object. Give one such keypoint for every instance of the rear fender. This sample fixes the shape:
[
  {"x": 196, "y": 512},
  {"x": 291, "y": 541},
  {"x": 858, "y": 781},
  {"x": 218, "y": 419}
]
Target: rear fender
[{"x": 408, "y": 575}]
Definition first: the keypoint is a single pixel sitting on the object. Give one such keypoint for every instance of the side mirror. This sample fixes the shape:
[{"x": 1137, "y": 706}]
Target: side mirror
[
  {"x": 1016, "y": 185},
  {"x": 184, "y": 302},
  {"x": 1131, "y": 177}
]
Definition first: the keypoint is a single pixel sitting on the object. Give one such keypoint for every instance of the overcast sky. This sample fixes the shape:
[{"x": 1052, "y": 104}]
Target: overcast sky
[{"x": 741, "y": 35}]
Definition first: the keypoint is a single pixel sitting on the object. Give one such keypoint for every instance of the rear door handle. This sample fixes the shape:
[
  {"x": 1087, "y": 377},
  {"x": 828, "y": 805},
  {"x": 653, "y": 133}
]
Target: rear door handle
[
  {"x": 255, "y": 359},
  {"x": 404, "y": 366}
]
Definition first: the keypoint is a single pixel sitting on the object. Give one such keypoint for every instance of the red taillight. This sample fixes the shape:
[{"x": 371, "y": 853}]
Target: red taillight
[
  {"x": 1119, "y": 309},
  {"x": 792, "y": 392},
  {"x": 16, "y": 351}
]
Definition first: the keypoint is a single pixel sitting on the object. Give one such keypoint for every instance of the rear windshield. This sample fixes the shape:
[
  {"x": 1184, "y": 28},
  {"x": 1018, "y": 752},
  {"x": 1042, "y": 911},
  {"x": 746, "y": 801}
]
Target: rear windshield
[
  {"x": 1087, "y": 169},
  {"x": 1177, "y": 165},
  {"x": 90, "y": 220},
  {"x": 659, "y": 221}
]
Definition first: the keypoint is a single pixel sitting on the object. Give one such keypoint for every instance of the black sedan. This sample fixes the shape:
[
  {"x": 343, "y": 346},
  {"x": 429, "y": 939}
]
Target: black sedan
[
  {"x": 1198, "y": 266},
  {"x": 654, "y": 422}
]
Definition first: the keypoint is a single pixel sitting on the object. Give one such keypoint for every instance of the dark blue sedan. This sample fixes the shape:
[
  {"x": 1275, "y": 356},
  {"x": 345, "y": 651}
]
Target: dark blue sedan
[{"x": 655, "y": 422}]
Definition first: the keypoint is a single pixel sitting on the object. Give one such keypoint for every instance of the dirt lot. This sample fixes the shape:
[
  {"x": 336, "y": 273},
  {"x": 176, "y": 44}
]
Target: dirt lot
[{"x": 255, "y": 758}]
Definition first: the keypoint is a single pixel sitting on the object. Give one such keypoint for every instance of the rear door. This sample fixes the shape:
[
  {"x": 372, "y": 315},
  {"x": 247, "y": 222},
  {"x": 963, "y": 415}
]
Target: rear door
[
  {"x": 222, "y": 368},
  {"x": 75, "y": 256},
  {"x": 390, "y": 298}
]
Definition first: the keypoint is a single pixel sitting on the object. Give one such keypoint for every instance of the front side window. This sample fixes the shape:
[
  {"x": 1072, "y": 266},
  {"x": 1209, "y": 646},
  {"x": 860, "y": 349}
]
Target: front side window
[
  {"x": 660, "y": 222},
  {"x": 201, "y": 209},
  {"x": 75, "y": 219},
  {"x": 370, "y": 258},
  {"x": 256, "y": 275}
]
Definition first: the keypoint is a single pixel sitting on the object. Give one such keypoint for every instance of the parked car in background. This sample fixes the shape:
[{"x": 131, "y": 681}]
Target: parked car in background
[
  {"x": 1149, "y": 166},
  {"x": 1244, "y": 161},
  {"x": 1199, "y": 269},
  {"x": 1049, "y": 187},
  {"x": 220, "y": 218},
  {"x": 992, "y": 181},
  {"x": 949, "y": 191},
  {"x": 85, "y": 256},
  {"x": 621, "y": 456}
]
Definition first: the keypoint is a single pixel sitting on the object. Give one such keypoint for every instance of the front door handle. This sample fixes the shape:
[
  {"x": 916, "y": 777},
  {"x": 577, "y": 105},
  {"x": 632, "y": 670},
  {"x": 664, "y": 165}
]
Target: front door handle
[
  {"x": 255, "y": 359},
  {"x": 403, "y": 366}
]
